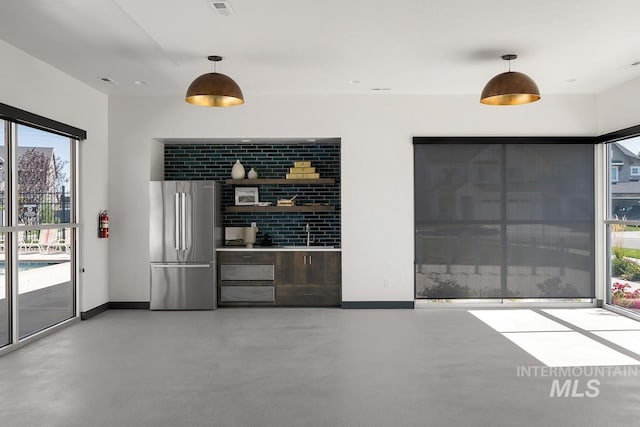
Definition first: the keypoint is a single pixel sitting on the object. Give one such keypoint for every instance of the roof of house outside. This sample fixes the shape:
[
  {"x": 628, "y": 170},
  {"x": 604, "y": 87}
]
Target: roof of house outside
[{"x": 627, "y": 152}]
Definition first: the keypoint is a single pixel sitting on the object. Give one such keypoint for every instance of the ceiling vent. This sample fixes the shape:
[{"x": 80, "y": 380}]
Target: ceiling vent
[{"x": 222, "y": 7}]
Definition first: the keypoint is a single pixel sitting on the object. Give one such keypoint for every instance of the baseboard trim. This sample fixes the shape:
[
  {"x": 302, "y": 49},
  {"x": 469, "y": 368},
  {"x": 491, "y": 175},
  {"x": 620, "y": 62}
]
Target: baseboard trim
[
  {"x": 144, "y": 305},
  {"x": 129, "y": 305},
  {"x": 86, "y": 315},
  {"x": 379, "y": 304},
  {"x": 114, "y": 305}
]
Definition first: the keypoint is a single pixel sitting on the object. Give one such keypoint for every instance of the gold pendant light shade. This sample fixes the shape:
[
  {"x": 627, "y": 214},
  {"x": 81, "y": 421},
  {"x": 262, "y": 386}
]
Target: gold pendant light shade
[
  {"x": 214, "y": 90},
  {"x": 510, "y": 88}
]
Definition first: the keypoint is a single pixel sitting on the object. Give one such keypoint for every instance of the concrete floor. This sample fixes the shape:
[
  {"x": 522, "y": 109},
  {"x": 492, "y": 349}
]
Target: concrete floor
[{"x": 291, "y": 367}]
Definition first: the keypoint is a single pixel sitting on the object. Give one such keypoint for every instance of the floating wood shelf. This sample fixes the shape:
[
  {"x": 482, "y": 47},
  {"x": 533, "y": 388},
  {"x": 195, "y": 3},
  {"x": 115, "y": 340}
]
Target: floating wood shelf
[
  {"x": 260, "y": 181},
  {"x": 279, "y": 208}
]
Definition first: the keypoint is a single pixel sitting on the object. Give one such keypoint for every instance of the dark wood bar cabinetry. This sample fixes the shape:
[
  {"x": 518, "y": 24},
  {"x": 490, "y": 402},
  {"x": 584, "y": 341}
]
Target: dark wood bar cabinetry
[
  {"x": 280, "y": 278},
  {"x": 308, "y": 278}
]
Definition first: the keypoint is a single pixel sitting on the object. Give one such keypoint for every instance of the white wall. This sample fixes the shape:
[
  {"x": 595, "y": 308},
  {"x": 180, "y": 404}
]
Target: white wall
[
  {"x": 619, "y": 107},
  {"x": 377, "y": 167},
  {"x": 34, "y": 86}
]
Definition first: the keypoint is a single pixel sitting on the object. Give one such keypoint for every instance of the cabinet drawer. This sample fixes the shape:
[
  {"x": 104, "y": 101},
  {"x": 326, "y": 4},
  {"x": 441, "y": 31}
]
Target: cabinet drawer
[
  {"x": 246, "y": 257},
  {"x": 247, "y": 294},
  {"x": 243, "y": 272},
  {"x": 309, "y": 295}
]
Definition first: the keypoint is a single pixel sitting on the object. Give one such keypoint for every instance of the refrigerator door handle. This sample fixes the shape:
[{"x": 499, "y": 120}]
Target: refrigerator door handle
[
  {"x": 176, "y": 205},
  {"x": 183, "y": 222},
  {"x": 180, "y": 265}
]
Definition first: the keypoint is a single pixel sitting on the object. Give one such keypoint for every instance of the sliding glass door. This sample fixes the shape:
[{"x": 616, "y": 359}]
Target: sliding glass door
[
  {"x": 459, "y": 236},
  {"x": 44, "y": 205},
  {"x": 504, "y": 221},
  {"x": 623, "y": 224},
  {"x": 5, "y": 324},
  {"x": 38, "y": 230}
]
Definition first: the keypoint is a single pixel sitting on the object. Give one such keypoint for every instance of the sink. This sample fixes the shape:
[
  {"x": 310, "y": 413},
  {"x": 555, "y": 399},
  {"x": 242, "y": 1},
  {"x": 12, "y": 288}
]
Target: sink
[{"x": 307, "y": 247}]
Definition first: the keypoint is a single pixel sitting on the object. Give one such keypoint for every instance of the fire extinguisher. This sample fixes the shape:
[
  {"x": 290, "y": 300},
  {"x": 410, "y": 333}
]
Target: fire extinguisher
[{"x": 103, "y": 225}]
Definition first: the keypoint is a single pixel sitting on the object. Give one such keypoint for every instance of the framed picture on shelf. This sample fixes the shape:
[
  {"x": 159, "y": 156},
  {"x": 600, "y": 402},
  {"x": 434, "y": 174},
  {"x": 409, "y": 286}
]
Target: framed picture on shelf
[{"x": 247, "y": 196}]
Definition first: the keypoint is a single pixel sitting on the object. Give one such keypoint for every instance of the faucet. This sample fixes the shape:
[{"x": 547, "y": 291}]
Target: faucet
[{"x": 309, "y": 239}]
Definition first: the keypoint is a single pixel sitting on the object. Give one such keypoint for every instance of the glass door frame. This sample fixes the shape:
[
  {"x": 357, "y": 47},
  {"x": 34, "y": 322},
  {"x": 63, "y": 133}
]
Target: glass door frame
[
  {"x": 11, "y": 119},
  {"x": 504, "y": 300},
  {"x": 603, "y": 154}
]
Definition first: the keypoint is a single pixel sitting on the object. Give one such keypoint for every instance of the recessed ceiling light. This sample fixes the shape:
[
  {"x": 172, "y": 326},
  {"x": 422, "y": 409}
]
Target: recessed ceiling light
[
  {"x": 354, "y": 82},
  {"x": 572, "y": 80},
  {"x": 633, "y": 64},
  {"x": 139, "y": 82},
  {"x": 245, "y": 140},
  {"x": 381, "y": 88},
  {"x": 108, "y": 80},
  {"x": 311, "y": 140}
]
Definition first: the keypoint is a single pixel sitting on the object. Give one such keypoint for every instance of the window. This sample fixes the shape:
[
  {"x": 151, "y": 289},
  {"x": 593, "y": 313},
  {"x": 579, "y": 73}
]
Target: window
[
  {"x": 37, "y": 223},
  {"x": 5, "y": 324},
  {"x": 44, "y": 200},
  {"x": 623, "y": 288},
  {"x": 614, "y": 174},
  {"x": 513, "y": 236}
]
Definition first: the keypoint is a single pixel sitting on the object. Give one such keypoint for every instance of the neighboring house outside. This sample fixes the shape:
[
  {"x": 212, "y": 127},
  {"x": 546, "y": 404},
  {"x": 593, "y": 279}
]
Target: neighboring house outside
[{"x": 625, "y": 183}]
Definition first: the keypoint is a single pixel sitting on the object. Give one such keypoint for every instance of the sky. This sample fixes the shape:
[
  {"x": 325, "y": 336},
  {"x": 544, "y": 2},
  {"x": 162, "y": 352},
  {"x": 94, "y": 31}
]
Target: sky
[
  {"x": 30, "y": 137},
  {"x": 631, "y": 144}
]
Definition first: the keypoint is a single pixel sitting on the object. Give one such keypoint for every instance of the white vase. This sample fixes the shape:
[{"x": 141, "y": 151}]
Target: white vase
[
  {"x": 237, "y": 171},
  {"x": 252, "y": 174}
]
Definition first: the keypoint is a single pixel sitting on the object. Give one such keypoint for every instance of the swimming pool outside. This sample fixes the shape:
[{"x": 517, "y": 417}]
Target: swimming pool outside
[{"x": 27, "y": 265}]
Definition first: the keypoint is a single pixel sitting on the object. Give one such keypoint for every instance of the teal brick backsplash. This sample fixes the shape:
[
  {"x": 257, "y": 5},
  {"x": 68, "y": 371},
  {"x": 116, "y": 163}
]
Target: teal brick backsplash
[{"x": 273, "y": 160}]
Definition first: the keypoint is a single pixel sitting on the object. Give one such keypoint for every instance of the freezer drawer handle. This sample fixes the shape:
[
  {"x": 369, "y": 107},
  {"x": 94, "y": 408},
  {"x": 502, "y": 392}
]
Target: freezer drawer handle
[{"x": 181, "y": 265}]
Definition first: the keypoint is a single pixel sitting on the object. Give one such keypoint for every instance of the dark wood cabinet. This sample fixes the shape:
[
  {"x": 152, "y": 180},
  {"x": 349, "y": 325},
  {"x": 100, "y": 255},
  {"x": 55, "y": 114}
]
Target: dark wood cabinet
[
  {"x": 246, "y": 278},
  {"x": 309, "y": 278},
  {"x": 297, "y": 278},
  {"x": 247, "y": 257},
  {"x": 308, "y": 295}
]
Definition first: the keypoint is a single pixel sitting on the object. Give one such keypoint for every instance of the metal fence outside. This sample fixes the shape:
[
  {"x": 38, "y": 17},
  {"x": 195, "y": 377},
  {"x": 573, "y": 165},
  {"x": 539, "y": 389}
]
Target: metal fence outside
[{"x": 41, "y": 208}]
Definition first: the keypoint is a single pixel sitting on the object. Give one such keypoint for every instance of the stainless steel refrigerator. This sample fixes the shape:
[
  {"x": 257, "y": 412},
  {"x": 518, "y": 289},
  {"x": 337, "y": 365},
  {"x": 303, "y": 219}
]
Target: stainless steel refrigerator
[{"x": 185, "y": 227}]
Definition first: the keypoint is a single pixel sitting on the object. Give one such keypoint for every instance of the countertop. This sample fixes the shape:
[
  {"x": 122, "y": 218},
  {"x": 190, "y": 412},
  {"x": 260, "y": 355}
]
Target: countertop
[{"x": 278, "y": 248}]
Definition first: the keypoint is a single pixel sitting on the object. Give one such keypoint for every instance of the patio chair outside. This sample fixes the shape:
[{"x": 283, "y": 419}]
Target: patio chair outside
[
  {"x": 26, "y": 246},
  {"x": 49, "y": 240}
]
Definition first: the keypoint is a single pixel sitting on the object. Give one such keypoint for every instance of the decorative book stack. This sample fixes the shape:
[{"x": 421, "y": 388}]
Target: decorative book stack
[{"x": 302, "y": 170}]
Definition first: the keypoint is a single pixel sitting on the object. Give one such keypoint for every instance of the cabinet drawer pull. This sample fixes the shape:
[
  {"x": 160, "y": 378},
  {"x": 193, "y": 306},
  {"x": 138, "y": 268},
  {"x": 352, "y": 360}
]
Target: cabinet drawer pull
[
  {"x": 309, "y": 259},
  {"x": 246, "y": 256}
]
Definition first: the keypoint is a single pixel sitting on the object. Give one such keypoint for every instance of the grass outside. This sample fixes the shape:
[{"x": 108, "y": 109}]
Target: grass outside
[{"x": 628, "y": 252}]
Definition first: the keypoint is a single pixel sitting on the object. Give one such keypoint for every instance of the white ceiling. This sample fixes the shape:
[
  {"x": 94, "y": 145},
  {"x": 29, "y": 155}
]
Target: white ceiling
[{"x": 319, "y": 46}]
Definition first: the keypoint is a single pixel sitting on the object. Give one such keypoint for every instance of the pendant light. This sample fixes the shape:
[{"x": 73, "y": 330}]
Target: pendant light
[
  {"x": 214, "y": 89},
  {"x": 510, "y": 88}
]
